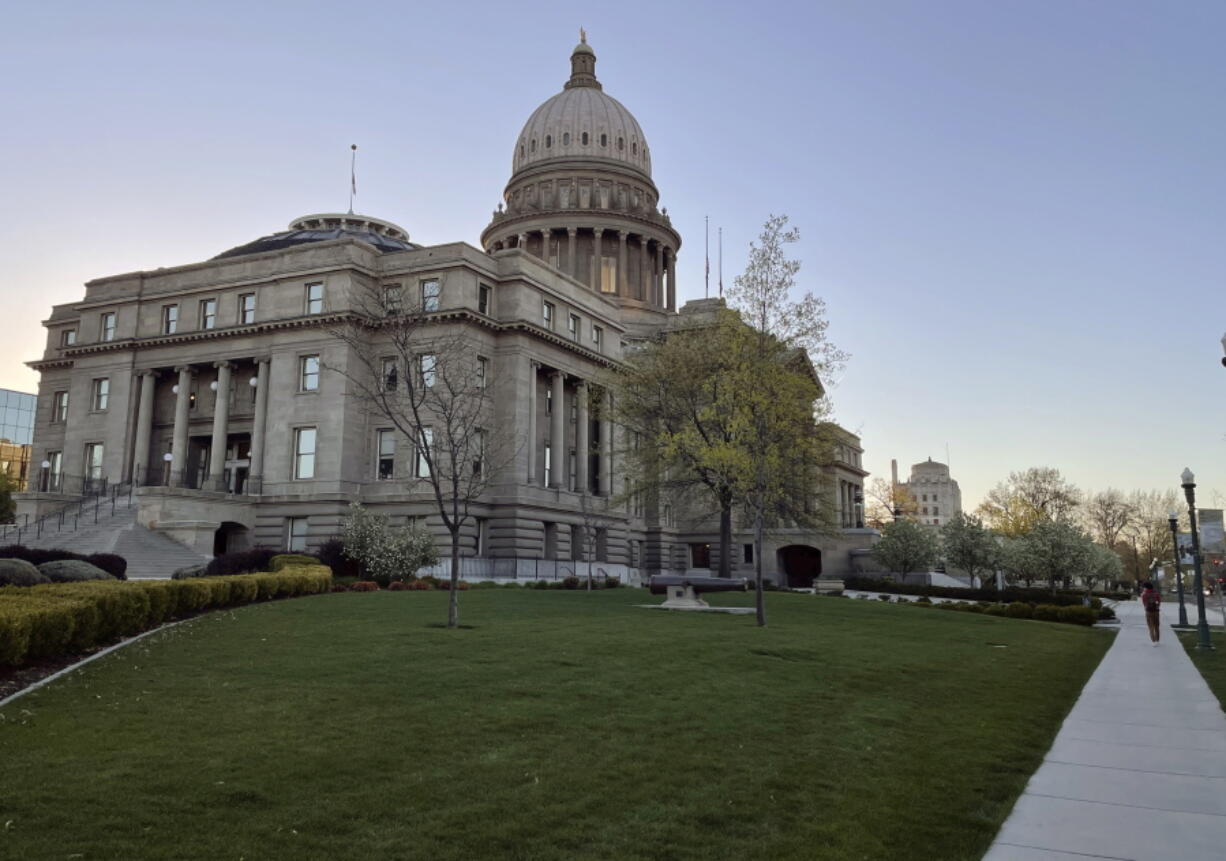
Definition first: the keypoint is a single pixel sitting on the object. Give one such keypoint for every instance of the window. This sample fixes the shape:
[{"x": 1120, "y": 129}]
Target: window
[
  {"x": 107, "y": 328},
  {"x": 478, "y": 451},
  {"x": 392, "y": 300},
  {"x": 700, "y": 555},
  {"x": 925, "y": 497},
  {"x": 925, "y": 509},
  {"x": 565, "y": 138},
  {"x": 608, "y": 274},
  {"x": 308, "y": 374},
  {"x": 572, "y": 326},
  {"x": 68, "y": 337},
  {"x": 934, "y": 510},
  {"x": 597, "y": 336},
  {"x": 315, "y": 298},
  {"x": 389, "y": 376},
  {"x": 102, "y": 393},
  {"x": 548, "y": 402},
  {"x": 483, "y": 299},
  {"x": 747, "y": 554},
  {"x": 548, "y": 141},
  {"x": 429, "y": 295},
  {"x": 386, "y": 466},
  {"x": 574, "y": 472},
  {"x": 604, "y": 139},
  {"x": 547, "y": 314},
  {"x": 583, "y": 139},
  {"x": 621, "y": 143},
  {"x": 170, "y": 319},
  {"x": 427, "y": 366},
  {"x": 482, "y": 535},
  {"x": 296, "y": 534},
  {"x": 483, "y": 372},
  {"x": 59, "y": 407},
  {"x": 304, "y": 453},
  {"x": 208, "y": 313},
  {"x": 55, "y": 472},
  {"x": 93, "y": 461},
  {"x": 424, "y": 453},
  {"x": 548, "y": 460},
  {"x": 246, "y": 308}
]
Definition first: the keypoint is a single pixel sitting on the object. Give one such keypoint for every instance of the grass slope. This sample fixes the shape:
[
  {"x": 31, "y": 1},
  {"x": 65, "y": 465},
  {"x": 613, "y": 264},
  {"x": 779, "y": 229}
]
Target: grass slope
[{"x": 562, "y": 725}]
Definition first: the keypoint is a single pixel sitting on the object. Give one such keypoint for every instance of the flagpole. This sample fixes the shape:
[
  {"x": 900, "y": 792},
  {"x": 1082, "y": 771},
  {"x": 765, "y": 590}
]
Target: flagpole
[
  {"x": 706, "y": 276},
  {"x": 721, "y": 263},
  {"x": 353, "y": 175}
]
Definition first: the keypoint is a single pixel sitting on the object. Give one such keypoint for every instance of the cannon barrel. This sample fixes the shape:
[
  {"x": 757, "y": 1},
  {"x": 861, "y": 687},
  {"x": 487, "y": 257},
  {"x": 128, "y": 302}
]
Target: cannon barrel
[{"x": 660, "y": 582}]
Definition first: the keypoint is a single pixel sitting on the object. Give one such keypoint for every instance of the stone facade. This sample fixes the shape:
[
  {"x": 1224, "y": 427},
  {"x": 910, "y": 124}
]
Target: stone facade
[{"x": 936, "y": 494}]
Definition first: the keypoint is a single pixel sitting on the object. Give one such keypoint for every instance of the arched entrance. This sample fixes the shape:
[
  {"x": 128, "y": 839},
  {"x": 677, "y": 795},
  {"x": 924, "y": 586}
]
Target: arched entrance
[
  {"x": 799, "y": 565},
  {"x": 229, "y": 537}
]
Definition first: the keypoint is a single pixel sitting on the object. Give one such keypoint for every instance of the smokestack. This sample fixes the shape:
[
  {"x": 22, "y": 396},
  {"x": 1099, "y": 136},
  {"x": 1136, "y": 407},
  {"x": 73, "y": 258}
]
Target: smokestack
[{"x": 893, "y": 473}]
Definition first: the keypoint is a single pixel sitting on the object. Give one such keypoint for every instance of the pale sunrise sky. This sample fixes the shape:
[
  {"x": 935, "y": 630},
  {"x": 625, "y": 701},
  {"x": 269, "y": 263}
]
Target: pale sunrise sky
[{"x": 1016, "y": 211}]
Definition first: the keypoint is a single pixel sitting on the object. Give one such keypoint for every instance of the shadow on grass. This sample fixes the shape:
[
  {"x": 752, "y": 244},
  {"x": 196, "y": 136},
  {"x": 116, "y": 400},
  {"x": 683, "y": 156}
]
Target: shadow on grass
[{"x": 443, "y": 625}]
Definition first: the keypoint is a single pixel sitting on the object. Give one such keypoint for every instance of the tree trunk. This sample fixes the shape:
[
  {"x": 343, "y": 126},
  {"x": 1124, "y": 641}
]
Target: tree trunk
[
  {"x": 453, "y": 603},
  {"x": 725, "y": 538}
]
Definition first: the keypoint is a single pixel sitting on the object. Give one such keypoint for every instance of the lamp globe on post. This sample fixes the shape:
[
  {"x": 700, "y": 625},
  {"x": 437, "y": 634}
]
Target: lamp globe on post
[
  {"x": 44, "y": 482},
  {"x": 1202, "y": 624},
  {"x": 1173, "y": 519}
]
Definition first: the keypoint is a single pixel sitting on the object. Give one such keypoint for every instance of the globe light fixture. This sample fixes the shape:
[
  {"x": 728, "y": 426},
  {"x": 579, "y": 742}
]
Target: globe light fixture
[
  {"x": 213, "y": 386},
  {"x": 174, "y": 390},
  {"x": 254, "y": 381},
  {"x": 46, "y": 464}
]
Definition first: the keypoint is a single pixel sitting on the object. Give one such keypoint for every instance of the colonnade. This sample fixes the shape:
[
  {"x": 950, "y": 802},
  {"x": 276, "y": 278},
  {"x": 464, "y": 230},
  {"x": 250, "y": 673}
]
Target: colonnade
[{"x": 557, "y": 474}]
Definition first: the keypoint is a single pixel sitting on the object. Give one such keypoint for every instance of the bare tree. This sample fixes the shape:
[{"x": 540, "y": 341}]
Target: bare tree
[
  {"x": 421, "y": 373},
  {"x": 1107, "y": 514},
  {"x": 594, "y": 515},
  {"x": 883, "y": 498}
]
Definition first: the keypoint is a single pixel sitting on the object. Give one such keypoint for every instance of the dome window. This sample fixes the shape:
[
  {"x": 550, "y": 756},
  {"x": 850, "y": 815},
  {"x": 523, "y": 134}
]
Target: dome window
[
  {"x": 583, "y": 139},
  {"x": 521, "y": 150},
  {"x": 565, "y": 138},
  {"x": 621, "y": 143},
  {"x": 604, "y": 140},
  {"x": 634, "y": 148},
  {"x": 548, "y": 141},
  {"x": 534, "y": 144}
]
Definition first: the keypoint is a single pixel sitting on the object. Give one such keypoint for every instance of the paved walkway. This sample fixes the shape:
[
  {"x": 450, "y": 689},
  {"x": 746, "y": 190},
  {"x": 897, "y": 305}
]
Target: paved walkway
[{"x": 1138, "y": 771}]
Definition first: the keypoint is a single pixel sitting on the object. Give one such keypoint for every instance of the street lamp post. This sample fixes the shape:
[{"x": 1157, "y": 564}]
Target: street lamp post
[
  {"x": 1202, "y": 625},
  {"x": 1174, "y": 521}
]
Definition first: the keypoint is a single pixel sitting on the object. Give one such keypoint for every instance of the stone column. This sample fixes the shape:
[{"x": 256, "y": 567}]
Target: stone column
[
  {"x": 597, "y": 233},
  {"x": 532, "y": 380},
  {"x": 572, "y": 268},
  {"x": 582, "y": 445},
  {"x": 144, "y": 428},
  {"x": 255, "y": 473},
  {"x": 657, "y": 283},
  {"x": 644, "y": 265},
  {"x": 221, "y": 426},
  {"x": 545, "y": 237},
  {"x": 523, "y": 242},
  {"x": 672, "y": 279},
  {"x": 557, "y": 433},
  {"x": 178, "y": 463},
  {"x": 606, "y": 444},
  {"x": 622, "y": 281}
]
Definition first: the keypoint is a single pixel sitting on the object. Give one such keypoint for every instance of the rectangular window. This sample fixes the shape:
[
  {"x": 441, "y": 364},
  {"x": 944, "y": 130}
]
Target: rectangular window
[
  {"x": 102, "y": 393},
  {"x": 246, "y": 309},
  {"x": 308, "y": 374},
  {"x": 597, "y": 336},
  {"x": 700, "y": 555},
  {"x": 572, "y": 326},
  {"x": 429, "y": 295},
  {"x": 59, "y": 407},
  {"x": 483, "y": 299},
  {"x": 386, "y": 467},
  {"x": 425, "y": 447},
  {"x": 107, "y": 328},
  {"x": 392, "y": 300},
  {"x": 483, "y": 372},
  {"x": 482, "y": 536},
  {"x": 548, "y": 461},
  {"x": 478, "y": 451},
  {"x": 304, "y": 453},
  {"x": 934, "y": 510},
  {"x": 547, "y": 314},
  {"x": 389, "y": 376},
  {"x": 574, "y": 473},
  {"x": 296, "y": 534},
  {"x": 68, "y": 337},
  {"x": 315, "y": 298},
  {"x": 428, "y": 368},
  {"x": 93, "y": 461},
  {"x": 208, "y": 313},
  {"x": 747, "y": 554},
  {"x": 170, "y": 319},
  {"x": 55, "y": 472},
  {"x": 608, "y": 274}
]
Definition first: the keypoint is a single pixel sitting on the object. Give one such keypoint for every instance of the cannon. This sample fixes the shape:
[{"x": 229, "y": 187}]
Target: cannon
[{"x": 683, "y": 590}]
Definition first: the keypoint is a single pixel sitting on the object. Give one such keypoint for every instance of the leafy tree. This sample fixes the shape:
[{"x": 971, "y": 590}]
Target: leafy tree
[
  {"x": 8, "y": 508},
  {"x": 883, "y": 498},
  {"x": 907, "y": 546},
  {"x": 1019, "y": 562},
  {"x": 969, "y": 545},
  {"x": 386, "y": 553},
  {"x": 1060, "y": 550},
  {"x": 1013, "y": 507},
  {"x": 1103, "y": 567}
]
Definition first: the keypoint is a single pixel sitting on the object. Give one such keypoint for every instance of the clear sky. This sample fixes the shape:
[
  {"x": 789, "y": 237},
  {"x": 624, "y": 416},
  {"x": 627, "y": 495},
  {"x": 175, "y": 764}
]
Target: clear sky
[{"x": 1015, "y": 210}]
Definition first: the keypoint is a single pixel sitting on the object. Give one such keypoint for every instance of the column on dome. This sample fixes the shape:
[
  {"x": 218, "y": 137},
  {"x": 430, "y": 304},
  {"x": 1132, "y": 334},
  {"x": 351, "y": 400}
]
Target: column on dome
[
  {"x": 144, "y": 428},
  {"x": 657, "y": 282},
  {"x": 644, "y": 265},
  {"x": 221, "y": 421},
  {"x": 259, "y": 426},
  {"x": 533, "y": 367},
  {"x": 557, "y": 433},
  {"x": 582, "y": 445},
  {"x": 622, "y": 280},
  {"x": 572, "y": 269},
  {"x": 545, "y": 236},
  {"x": 178, "y": 462},
  {"x": 672, "y": 279},
  {"x": 597, "y": 242}
]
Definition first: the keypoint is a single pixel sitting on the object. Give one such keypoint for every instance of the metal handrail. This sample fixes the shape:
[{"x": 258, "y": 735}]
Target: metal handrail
[{"x": 95, "y": 494}]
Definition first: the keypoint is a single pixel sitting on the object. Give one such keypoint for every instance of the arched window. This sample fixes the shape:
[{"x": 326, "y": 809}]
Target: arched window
[
  {"x": 583, "y": 139},
  {"x": 534, "y": 144},
  {"x": 521, "y": 150},
  {"x": 621, "y": 143},
  {"x": 604, "y": 140},
  {"x": 634, "y": 148},
  {"x": 565, "y": 138},
  {"x": 548, "y": 141}
]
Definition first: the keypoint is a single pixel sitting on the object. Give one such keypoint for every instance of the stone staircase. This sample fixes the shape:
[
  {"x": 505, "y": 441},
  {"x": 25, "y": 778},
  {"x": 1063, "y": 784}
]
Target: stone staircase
[{"x": 150, "y": 555}]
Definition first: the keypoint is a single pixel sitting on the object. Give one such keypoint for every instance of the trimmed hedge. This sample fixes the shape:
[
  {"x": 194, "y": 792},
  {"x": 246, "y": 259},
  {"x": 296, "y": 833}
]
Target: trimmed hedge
[
  {"x": 1020, "y": 610},
  {"x": 286, "y": 559},
  {"x": 56, "y": 619},
  {"x": 1008, "y": 595},
  {"x": 242, "y": 562},
  {"x": 111, "y": 563}
]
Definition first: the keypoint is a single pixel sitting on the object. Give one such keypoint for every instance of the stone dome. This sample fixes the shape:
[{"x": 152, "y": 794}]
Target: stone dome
[
  {"x": 383, "y": 235},
  {"x": 582, "y": 122}
]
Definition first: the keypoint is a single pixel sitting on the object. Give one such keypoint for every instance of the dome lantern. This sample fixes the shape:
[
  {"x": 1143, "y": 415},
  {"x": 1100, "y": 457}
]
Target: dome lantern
[{"x": 583, "y": 65}]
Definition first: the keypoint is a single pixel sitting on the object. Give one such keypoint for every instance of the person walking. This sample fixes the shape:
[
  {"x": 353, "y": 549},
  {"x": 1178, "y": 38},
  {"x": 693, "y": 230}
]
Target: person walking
[{"x": 1152, "y": 602}]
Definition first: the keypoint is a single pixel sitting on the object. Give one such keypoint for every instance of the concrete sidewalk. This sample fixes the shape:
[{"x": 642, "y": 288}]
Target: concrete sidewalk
[{"x": 1138, "y": 770}]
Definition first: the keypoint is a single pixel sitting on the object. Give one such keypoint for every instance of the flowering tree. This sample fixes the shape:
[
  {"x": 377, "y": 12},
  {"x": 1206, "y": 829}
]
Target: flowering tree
[{"x": 388, "y": 554}]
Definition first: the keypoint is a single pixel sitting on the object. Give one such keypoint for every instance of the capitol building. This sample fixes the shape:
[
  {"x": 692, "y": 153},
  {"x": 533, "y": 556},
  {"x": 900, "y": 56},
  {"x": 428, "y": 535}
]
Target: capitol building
[{"x": 219, "y": 392}]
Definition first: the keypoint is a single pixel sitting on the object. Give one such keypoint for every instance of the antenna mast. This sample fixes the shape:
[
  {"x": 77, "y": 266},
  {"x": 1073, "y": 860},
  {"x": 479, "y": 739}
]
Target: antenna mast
[
  {"x": 353, "y": 175},
  {"x": 721, "y": 263}
]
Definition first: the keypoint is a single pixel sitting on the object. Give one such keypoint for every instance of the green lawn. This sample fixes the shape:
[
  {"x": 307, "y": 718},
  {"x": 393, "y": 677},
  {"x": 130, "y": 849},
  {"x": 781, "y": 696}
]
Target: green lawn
[
  {"x": 1212, "y": 665},
  {"x": 561, "y": 725}
]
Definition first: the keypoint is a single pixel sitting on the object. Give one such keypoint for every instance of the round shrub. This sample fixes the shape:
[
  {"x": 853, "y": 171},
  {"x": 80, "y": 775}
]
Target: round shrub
[
  {"x": 284, "y": 560},
  {"x": 1077, "y": 615},
  {"x": 19, "y": 572},
  {"x": 419, "y": 585},
  {"x": 111, "y": 563},
  {"x": 996, "y": 610},
  {"x": 189, "y": 572},
  {"x": 339, "y": 587},
  {"x": 332, "y": 554},
  {"x": 1019, "y": 610},
  {"x": 72, "y": 571},
  {"x": 1046, "y": 613},
  {"x": 398, "y": 586},
  {"x": 612, "y": 582},
  {"x": 364, "y": 586},
  {"x": 1105, "y": 613}
]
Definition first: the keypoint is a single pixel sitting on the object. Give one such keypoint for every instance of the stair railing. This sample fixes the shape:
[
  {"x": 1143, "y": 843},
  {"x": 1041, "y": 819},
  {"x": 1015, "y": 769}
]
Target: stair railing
[{"x": 94, "y": 493}]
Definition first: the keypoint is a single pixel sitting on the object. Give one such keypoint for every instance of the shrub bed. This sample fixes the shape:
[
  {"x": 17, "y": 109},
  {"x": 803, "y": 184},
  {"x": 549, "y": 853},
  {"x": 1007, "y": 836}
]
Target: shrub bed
[
  {"x": 1071, "y": 615},
  {"x": 56, "y": 619},
  {"x": 111, "y": 563},
  {"x": 1010, "y": 594}
]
